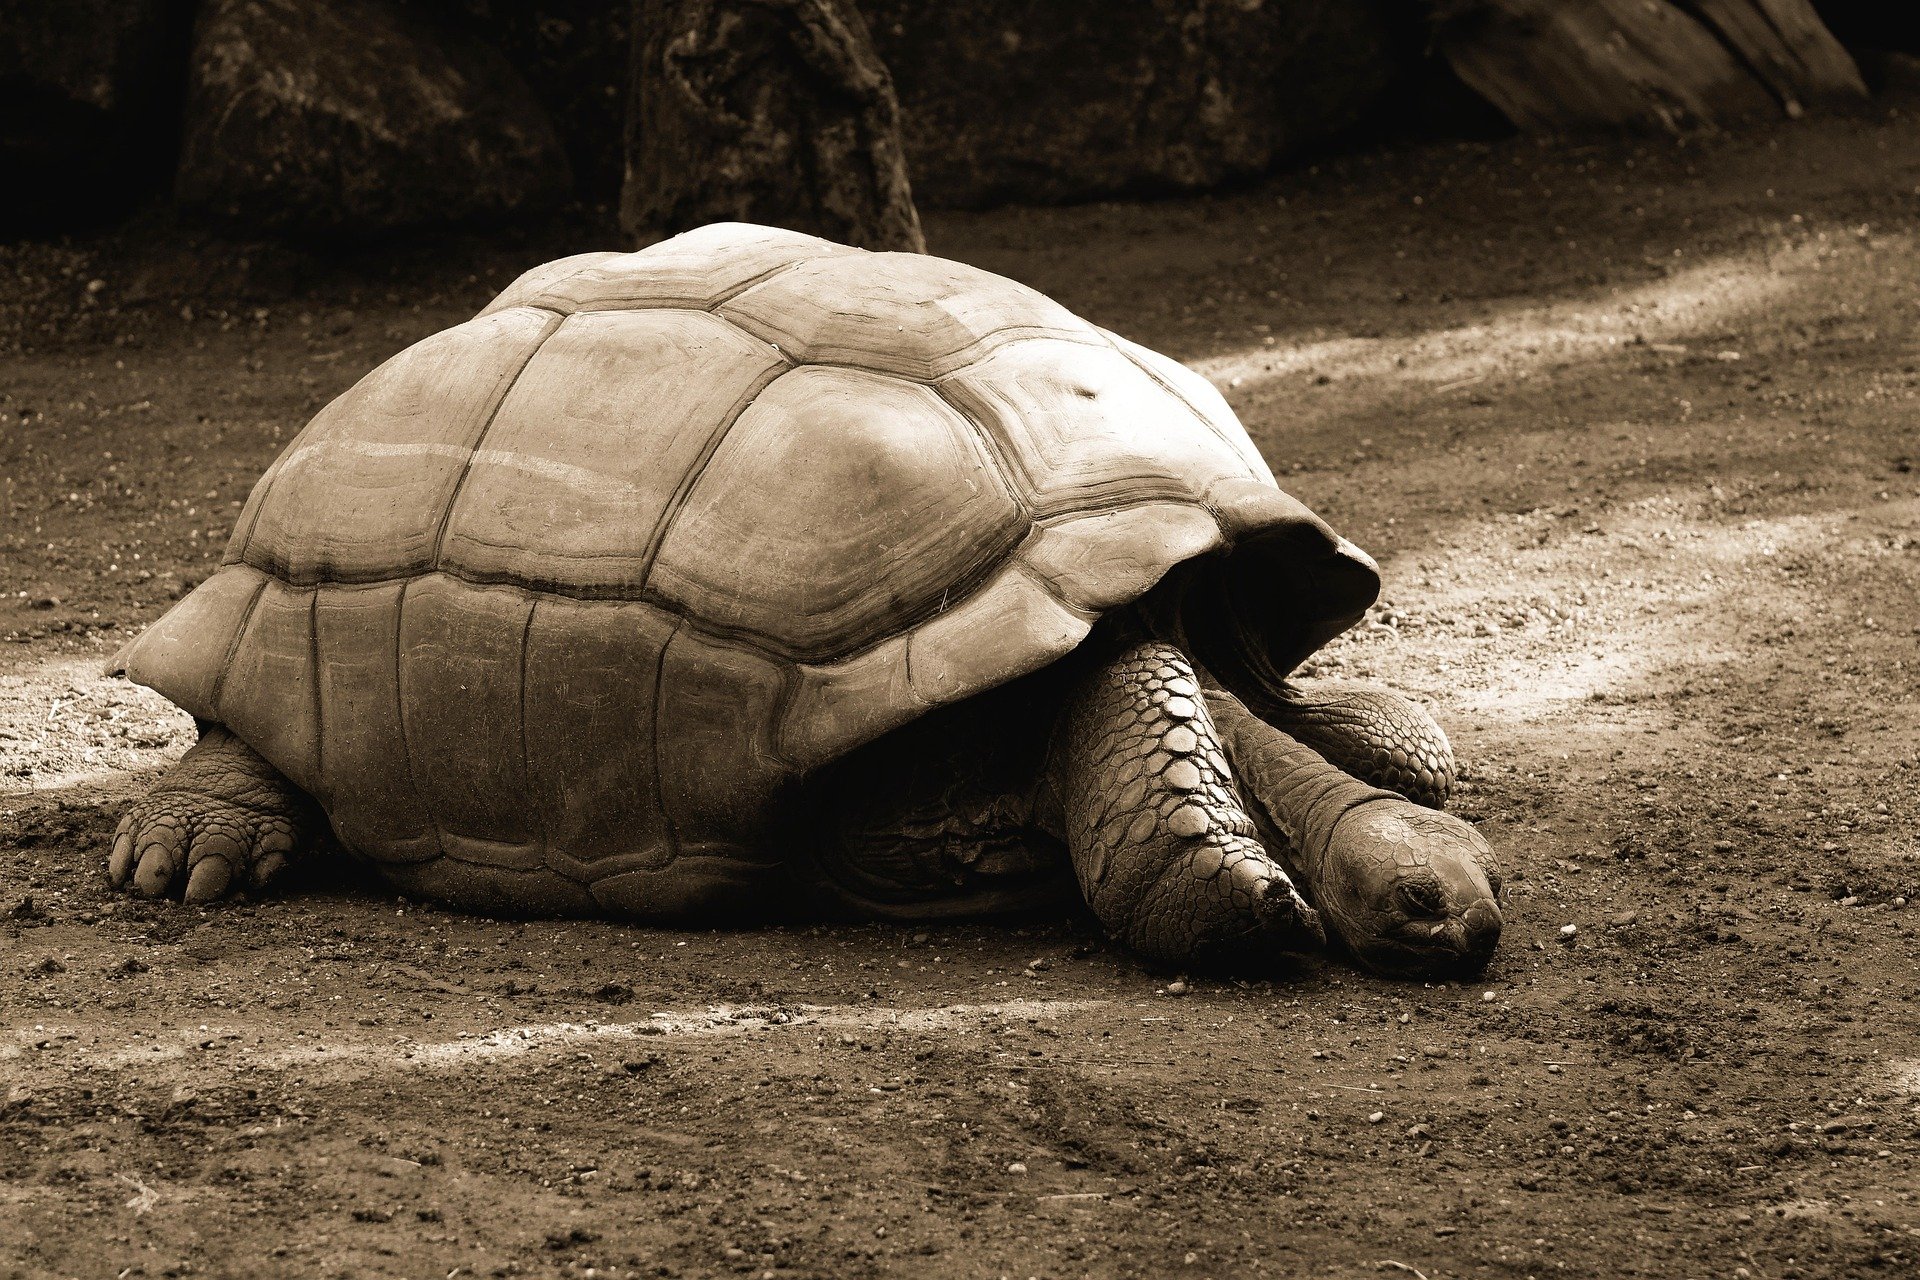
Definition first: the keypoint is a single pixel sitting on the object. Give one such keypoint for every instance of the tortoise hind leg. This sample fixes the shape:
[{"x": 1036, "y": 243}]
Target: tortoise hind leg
[
  {"x": 1165, "y": 853},
  {"x": 222, "y": 818}
]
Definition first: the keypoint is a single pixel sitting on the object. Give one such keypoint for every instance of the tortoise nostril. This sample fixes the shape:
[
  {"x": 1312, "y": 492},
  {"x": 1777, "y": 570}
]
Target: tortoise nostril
[{"x": 1483, "y": 922}]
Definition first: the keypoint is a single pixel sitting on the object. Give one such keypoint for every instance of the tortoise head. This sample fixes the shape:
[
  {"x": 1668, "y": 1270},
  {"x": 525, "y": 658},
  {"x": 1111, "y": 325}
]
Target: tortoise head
[{"x": 1411, "y": 892}]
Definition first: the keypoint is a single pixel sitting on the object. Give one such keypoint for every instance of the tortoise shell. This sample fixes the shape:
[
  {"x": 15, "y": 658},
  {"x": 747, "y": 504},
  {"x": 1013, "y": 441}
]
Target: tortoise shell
[{"x": 550, "y": 609}]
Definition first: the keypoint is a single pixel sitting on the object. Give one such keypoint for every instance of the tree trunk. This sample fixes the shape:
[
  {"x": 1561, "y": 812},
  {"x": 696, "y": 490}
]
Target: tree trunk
[
  {"x": 1676, "y": 65},
  {"x": 773, "y": 111}
]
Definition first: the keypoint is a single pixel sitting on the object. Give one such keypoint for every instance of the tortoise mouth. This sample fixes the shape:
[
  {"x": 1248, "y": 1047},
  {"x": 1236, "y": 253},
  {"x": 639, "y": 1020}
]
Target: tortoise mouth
[{"x": 1456, "y": 944}]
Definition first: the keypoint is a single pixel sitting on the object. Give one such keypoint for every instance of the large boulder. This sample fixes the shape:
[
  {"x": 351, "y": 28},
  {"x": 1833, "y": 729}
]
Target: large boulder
[
  {"x": 88, "y": 103},
  {"x": 1671, "y": 65},
  {"x": 1008, "y": 100},
  {"x": 575, "y": 55},
  {"x": 356, "y": 117}
]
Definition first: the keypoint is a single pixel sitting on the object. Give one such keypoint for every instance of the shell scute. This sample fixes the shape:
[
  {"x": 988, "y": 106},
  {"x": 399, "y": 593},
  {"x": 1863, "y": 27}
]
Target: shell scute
[
  {"x": 460, "y": 654},
  {"x": 575, "y": 480},
  {"x": 267, "y": 694},
  {"x": 843, "y": 507},
  {"x": 1085, "y": 427},
  {"x": 592, "y": 680},
  {"x": 367, "y": 784},
  {"x": 720, "y": 769},
  {"x": 391, "y": 451}
]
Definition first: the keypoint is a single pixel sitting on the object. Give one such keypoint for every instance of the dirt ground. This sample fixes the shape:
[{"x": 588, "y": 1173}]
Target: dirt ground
[{"x": 1632, "y": 432}]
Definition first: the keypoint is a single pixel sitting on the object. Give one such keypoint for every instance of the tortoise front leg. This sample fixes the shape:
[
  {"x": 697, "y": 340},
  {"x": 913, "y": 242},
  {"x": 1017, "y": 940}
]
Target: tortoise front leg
[
  {"x": 1164, "y": 851},
  {"x": 221, "y": 818},
  {"x": 1369, "y": 731},
  {"x": 1407, "y": 889}
]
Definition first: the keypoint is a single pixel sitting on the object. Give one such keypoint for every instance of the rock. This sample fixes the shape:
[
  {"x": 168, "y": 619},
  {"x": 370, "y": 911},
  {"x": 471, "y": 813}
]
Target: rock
[
  {"x": 574, "y": 55},
  {"x": 351, "y": 118},
  {"x": 1006, "y": 100},
  {"x": 90, "y": 91},
  {"x": 776, "y": 113},
  {"x": 1667, "y": 65}
]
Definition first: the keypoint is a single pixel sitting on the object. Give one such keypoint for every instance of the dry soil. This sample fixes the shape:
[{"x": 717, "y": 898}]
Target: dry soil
[{"x": 1631, "y": 429}]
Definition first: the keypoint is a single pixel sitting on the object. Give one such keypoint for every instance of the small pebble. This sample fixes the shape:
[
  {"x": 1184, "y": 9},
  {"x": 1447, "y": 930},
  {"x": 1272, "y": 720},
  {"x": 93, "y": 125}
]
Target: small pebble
[
  {"x": 1376, "y": 1117},
  {"x": 1623, "y": 919},
  {"x": 1568, "y": 930},
  {"x": 1178, "y": 987},
  {"x": 1486, "y": 997},
  {"x": 1016, "y": 1167}
]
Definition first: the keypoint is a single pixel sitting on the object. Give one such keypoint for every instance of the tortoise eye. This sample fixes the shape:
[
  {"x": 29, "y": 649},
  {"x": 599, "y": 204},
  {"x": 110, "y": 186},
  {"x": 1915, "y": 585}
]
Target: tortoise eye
[{"x": 1421, "y": 897}]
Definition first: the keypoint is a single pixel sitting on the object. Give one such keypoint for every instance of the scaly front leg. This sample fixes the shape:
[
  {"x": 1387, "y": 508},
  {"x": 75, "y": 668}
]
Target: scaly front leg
[{"x": 1164, "y": 851}]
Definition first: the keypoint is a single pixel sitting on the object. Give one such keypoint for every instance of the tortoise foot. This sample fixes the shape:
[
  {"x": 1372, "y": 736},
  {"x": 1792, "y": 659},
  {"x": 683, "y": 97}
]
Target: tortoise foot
[
  {"x": 221, "y": 821},
  {"x": 1163, "y": 847}
]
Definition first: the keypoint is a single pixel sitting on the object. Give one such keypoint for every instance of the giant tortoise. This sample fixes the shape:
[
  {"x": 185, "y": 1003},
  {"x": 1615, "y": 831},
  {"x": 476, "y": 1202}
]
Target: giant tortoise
[{"x": 750, "y": 574}]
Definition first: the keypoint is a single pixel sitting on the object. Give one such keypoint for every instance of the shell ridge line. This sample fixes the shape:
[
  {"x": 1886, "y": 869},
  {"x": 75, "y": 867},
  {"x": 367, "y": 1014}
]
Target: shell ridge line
[
  {"x": 526, "y": 765},
  {"x": 233, "y": 648},
  {"x": 684, "y": 619},
  {"x": 987, "y": 344},
  {"x": 1047, "y": 586},
  {"x": 997, "y": 456},
  {"x": 493, "y": 411},
  {"x": 319, "y": 703},
  {"x": 241, "y": 544},
  {"x": 547, "y": 293},
  {"x": 667, "y": 827},
  {"x": 570, "y": 475},
  {"x": 715, "y": 439},
  {"x": 400, "y": 715},
  {"x": 1109, "y": 496},
  {"x": 739, "y": 636},
  {"x": 1219, "y": 434},
  {"x": 763, "y": 278},
  {"x": 496, "y": 868}
]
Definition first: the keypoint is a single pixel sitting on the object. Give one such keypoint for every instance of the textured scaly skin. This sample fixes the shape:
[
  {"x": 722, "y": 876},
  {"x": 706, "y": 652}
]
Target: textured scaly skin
[
  {"x": 1405, "y": 888},
  {"x": 222, "y": 818},
  {"x": 1369, "y": 732},
  {"x": 1164, "y": 851}
]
